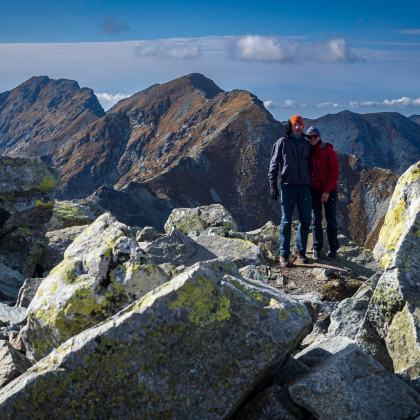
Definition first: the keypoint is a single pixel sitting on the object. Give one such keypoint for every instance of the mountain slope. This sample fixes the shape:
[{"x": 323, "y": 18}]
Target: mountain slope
[
  {"x": 182, "y": 143},
  {"x": 385, "y": 139},
  {"x": 40, "y": 114},
  {"x": 415, "y": 118}
]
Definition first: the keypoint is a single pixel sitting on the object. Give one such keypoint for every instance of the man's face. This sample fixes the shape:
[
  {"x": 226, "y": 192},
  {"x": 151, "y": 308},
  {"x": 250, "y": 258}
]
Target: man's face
[
  {"x": 297, "y": 129},
  {"x": 313, "y": 138}
]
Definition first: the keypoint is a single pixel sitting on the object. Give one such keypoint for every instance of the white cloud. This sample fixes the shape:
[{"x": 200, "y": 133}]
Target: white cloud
[
  {"x": 263, "y": 48},
  {"x": 177, "y": 49},
  {"x": 403, "y": 102},
  {"x": 107, "y": 100},
  {"x": 335, "y": 50},
  {"x": 270, "y": 104},
  {"x": 327, "y": 105},
  {"x": 354, "y": 104},
  {"x": 269, "y": 49},
  {"x": 289, "y": 103},
  {"x": 410, "y": 31}
]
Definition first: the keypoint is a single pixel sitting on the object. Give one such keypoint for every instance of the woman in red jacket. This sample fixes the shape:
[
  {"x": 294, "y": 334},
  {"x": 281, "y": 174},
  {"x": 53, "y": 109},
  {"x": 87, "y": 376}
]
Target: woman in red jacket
[{"x": 324, "y": 169}]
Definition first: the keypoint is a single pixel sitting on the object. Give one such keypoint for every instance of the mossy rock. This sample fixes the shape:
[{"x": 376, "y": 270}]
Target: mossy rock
[
  {"x": 103, "y": 270},
  {"x": 74, "y": 213},
  {"x": 200, "y": 218},
  {"x": 390, "y": 329},
  {"x": 27, "y": 195},
  {"x": 206, "y": 332}
]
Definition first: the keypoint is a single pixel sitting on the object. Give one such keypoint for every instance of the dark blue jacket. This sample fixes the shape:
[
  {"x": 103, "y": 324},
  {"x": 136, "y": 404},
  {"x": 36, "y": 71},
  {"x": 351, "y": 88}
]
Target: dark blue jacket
[{"x": 292, "y": 160}]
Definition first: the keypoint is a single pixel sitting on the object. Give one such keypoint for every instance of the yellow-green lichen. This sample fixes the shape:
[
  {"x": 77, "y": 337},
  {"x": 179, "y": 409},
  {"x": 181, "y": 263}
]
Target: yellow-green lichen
[
  {"x": 49, "y": 205},
  {"x": 46, "y": 184},
  {"x": 402, "y": 344},
  {"x": 203, "y": 300},
  {"x": 8, "y": 162}
]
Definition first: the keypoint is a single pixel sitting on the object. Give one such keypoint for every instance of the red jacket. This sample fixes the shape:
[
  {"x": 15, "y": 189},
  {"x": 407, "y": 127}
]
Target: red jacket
[{"x": 324, "y": 167}]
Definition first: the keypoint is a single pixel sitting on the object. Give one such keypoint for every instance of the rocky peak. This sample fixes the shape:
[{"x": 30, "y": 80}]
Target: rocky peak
[
  {"x": 36, "y": 116},
  {"x": 384, "y": 139},
  {"x": 188, "y": 124},
  {"x": 415, "y": 118}
]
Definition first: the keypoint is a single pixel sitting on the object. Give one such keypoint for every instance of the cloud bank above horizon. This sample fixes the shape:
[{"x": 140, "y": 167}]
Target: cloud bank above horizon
[{"x": 284, "y": 72}]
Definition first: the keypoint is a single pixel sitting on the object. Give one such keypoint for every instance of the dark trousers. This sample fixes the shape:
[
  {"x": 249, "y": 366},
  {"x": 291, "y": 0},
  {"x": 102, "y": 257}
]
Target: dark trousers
[
  {"x": 292, "y": 195},
  {"x": 330, "y": 208}
]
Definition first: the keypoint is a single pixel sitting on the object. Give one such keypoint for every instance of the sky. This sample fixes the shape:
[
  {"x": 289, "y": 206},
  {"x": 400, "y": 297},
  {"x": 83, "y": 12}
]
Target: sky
[{"x": 309, "y": 58}]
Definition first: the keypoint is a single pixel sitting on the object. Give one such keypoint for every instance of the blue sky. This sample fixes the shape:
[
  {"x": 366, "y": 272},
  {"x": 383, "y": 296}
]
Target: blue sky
[{"x": 310, "y": 58}]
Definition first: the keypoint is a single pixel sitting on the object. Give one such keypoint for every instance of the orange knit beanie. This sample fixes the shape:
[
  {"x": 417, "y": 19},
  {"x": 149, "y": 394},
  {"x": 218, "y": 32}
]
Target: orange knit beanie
[{"x": 297, "y": 119}]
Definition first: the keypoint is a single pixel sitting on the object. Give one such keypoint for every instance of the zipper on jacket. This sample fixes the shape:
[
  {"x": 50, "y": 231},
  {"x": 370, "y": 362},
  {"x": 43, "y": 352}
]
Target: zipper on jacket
[
  {"x": 297, "y": 151},
  {"x": 316, "y": 161}
]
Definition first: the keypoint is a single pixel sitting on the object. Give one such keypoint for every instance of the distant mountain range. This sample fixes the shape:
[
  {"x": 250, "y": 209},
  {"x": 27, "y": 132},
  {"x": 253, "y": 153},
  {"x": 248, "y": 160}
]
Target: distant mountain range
[
  {"x": 385, "y": 139},
  {"x": 41, "y": 114},
  {"x": 415, "y": 118},
  {"x": 188, "y": 143}
]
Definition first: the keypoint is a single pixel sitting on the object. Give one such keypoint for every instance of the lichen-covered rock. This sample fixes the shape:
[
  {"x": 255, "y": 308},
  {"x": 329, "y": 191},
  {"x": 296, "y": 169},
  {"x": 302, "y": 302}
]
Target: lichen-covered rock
[
  {"x": 215, "y": 231},
  {"x": 27, "y": 194},
  {"x": 266, "y": 237},
  {"x": 175, "y": 248},
  {"x": 272, "y": 403},
  {"x": 180, "y": 249},
  {"x": 28, "y": 291},
  {"x": 200, "y": 218},
  {"x": 390, "y": 331},
  {"x": 402, "y": 217},
  {"x": 12, "y": 363},
  {"x": 241, "y": 252},
  {"x": 10, "y": 282},
  {"x": 103, "y": 270},
  {"x": 148, "y": 234},
  {"x": 74, "y": 213},
  {"x": 351, "y": 385},
  {"x": 193, "y": 348},
  {"x": 59, "y": 241}
]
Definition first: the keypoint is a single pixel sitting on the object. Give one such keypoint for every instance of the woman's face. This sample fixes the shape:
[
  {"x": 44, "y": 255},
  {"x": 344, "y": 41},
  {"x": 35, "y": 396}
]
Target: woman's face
[{"x": 313, "y": 138}]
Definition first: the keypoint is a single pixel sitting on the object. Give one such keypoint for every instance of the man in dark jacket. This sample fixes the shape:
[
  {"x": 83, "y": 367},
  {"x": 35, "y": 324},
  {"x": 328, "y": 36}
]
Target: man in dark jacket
[
  {"x": 325, "y": 170},
  {"x": 291, "y": 156}
]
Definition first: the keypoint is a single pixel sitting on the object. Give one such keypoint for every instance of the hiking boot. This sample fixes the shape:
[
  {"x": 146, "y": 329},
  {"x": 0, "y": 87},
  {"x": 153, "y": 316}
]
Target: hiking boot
[
  {"x": 302, "y": 258},
  {"x": 284, "y": 262},
  {"x": 316, "y": 255},
  {"x": 331, "y": 256}
]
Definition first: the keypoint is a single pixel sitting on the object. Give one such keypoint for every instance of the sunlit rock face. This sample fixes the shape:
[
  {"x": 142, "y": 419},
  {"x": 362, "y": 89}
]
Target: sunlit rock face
[{"x": 390, "y": 331}]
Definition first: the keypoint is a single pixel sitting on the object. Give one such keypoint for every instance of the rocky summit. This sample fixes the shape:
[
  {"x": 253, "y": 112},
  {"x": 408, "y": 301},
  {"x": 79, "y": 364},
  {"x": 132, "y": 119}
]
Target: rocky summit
[
  {"x": 181, "y": 144},
  {"x": 41, "y": 114},
  {"x": 384, "y": 139},
  {"x": 152, "y": 288}
]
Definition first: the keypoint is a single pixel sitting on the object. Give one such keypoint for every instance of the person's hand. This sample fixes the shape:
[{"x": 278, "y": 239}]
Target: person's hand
[
  {"x": 324, "y": 197},
  {"x": 274, "y": 192}
]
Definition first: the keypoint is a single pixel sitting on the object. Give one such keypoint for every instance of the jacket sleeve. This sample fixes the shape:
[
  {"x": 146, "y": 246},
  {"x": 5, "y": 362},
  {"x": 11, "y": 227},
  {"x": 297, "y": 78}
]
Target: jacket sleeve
[
  {"x": 275, "y": 163},
  {"x": 333, "y": 171}
]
